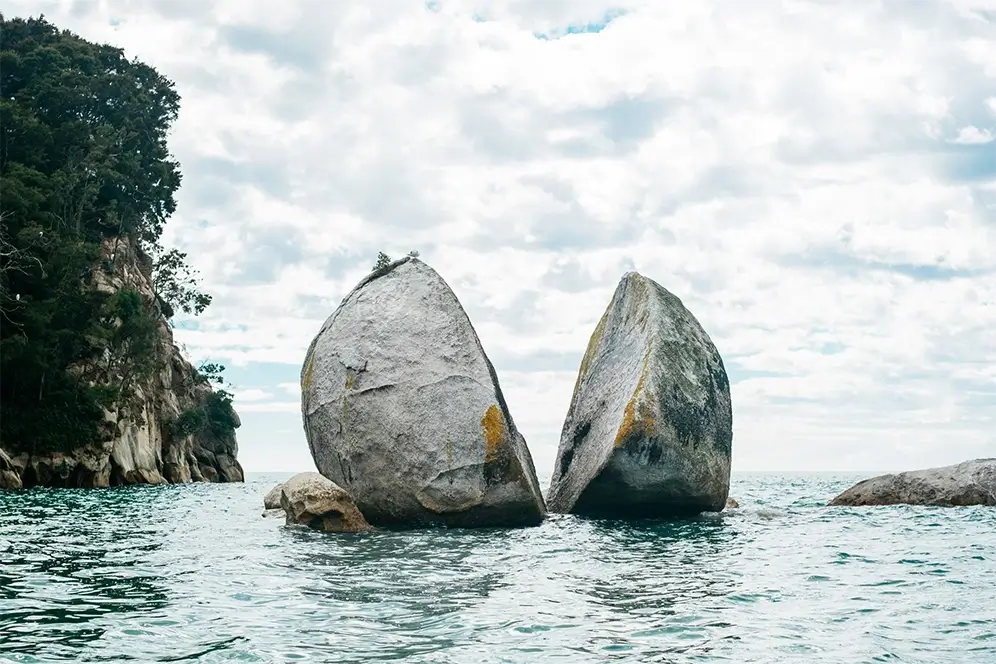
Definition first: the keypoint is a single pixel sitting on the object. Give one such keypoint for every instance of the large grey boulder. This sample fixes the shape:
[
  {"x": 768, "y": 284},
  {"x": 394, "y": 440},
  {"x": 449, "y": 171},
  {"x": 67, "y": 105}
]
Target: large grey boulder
[
  {"x": 308, "y": 499},
  {"x": 403, "y": 409},
  {"x": 967, "y": 483},
  {"x": 650, "y": 429}
]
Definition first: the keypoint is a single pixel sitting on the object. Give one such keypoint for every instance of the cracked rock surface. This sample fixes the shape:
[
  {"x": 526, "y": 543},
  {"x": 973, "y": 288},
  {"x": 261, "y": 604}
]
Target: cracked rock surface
[
  {"x": 402, "y": 408},
  {"x": 967, "y": 483},
  {"x": 308, "y": 499},
  {"x": 649, "y": 432}
]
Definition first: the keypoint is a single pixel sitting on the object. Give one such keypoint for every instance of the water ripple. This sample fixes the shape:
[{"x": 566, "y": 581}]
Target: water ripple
[{"x": 177, "y": 574}]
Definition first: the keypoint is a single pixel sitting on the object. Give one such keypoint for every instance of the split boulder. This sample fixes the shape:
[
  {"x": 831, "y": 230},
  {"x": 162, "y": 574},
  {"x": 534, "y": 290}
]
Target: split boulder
[
  {"x": 402, "y": 408},
  {"x": 649, "y": 431}
]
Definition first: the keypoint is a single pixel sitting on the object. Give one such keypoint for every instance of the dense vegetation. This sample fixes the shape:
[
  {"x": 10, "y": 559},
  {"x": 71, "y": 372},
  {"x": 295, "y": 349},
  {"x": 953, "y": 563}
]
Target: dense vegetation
[{"x": 83, "y": 159}]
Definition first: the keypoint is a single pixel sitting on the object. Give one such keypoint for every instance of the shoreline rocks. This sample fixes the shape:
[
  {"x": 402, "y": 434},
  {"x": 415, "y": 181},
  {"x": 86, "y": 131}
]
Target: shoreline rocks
[
  {"x": 9, "y": 477},
  {"x": 402, "y": 408},
  {"x": 649, "y": 430},
  {"x": 967, "y": 483}
]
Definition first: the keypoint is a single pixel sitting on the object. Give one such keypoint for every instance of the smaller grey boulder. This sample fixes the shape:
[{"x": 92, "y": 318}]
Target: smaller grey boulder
[
  {"x": 732, "y": 504},
  {"x": 272, "y": 499},
  {"x": 310, "y": 499},
  {"x": 967, "y": 483}
]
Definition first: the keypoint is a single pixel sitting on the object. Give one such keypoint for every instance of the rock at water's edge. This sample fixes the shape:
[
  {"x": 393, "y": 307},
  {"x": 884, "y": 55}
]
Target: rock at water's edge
[
  {"x": 649, "y": 431},
  {"x": 308, "y": 499},
  {"x": 732, "y": 504},
  {"x": 402, "y": 408},
  {"x": 272, "y": 499},
  {"x": 967, "y": 483},
  {"x": 9, "y": 477}
]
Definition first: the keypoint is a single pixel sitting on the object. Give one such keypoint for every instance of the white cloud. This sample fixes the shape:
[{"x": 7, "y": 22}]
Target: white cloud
[
  {"x": 814, "y": 180},
  {"x": 271, "y": 407},
  {"x": 972, "y": 135},
  {"x": 249, "y": 395}
]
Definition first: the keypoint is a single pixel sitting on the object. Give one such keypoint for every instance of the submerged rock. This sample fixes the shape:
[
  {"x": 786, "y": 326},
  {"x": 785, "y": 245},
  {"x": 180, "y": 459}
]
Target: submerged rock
[
  {"x": 403, "y": 409},
  {"x": 272, "y": 499},
  {"x": 308, "y": 499},
  {"x": 967, "y": 483},
  {"x": 649, "y": 431}
]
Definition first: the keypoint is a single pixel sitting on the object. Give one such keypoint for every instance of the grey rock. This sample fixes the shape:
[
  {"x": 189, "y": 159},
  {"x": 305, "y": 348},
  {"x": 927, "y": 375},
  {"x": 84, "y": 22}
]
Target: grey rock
[
  {"x": 271, "y": 500},
  {"x": 967, "y": 483},
  {"x": 732, "y": 504},
  {"x": 649, "y": 431},
  {"x": 308, "y": 499},
  {"x": 10, "y": 478},
  {"x": 273, "y": 513},
  {"x": 403, "y": 409}
]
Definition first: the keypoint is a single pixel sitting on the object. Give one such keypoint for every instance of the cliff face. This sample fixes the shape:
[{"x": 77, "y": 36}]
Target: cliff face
[{"x": 143, "y": 443}]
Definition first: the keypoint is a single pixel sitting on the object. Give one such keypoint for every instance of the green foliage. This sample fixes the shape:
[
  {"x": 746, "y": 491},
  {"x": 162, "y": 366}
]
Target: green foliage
[
  {"x": 209, "y": 372},
  {"x": 84, "y": 135},
  {"x": 216, "y": 412},
  {"x": 175, "y": 283},
  {"x": 83, "y": 158},
  {"x": 189, "y": 422},
  {"x": 383, "y": 260},
  {"x": 221, "y": 417}
]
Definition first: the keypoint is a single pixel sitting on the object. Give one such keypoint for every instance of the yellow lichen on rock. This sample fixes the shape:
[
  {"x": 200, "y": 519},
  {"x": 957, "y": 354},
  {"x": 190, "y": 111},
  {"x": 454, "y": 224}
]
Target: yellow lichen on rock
[
  {"x": 637, "y": 405},
  {"x": 309, "y": 366},
  {"x": 495, "y": 432},
  {"x": 590, "y": 352}
]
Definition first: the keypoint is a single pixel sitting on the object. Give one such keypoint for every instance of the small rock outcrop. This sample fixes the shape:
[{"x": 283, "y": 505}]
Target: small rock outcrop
[
  {"x": 271, "y": 501},
  {"x": 649, "y": 431},
  {"x": 309, "y": 499},
  {"x": 142, "y": 442},
  {"x": 967, "y": 483},
  {"x": 402, "y": 408},
  {"x": 732, "y": 504},
  {"x": 9, "y": 478}
]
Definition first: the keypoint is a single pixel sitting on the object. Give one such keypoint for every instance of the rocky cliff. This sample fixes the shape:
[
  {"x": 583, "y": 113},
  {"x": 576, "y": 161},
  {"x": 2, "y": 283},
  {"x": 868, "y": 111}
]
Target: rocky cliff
[{"x": 175, "y": 429}]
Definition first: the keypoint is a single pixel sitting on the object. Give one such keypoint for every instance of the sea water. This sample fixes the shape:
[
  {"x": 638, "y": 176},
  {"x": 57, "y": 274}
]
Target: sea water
[{"x": 194, "y": 573}]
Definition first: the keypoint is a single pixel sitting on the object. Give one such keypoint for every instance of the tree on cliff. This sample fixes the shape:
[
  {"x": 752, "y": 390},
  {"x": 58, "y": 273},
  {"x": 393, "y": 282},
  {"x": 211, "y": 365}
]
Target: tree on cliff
[{"x": 83, "y": 158}]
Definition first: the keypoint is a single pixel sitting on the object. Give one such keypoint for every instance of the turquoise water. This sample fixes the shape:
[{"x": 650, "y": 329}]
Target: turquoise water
[{"x": 193, "y": 573}]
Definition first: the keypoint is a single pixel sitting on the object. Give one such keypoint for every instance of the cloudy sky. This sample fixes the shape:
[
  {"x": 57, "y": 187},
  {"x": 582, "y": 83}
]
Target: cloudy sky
[{"x": 816, "y": 180}]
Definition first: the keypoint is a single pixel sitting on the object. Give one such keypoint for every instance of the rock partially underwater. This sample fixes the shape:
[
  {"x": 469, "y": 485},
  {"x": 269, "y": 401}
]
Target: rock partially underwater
[
  {"x": 649, "y": 431},
  {"x": 308, "y": 499},
  {"x": 402, "y": 408},
  {"x": 271, "y": 501},
  {"x": 967, "y": 483}
]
